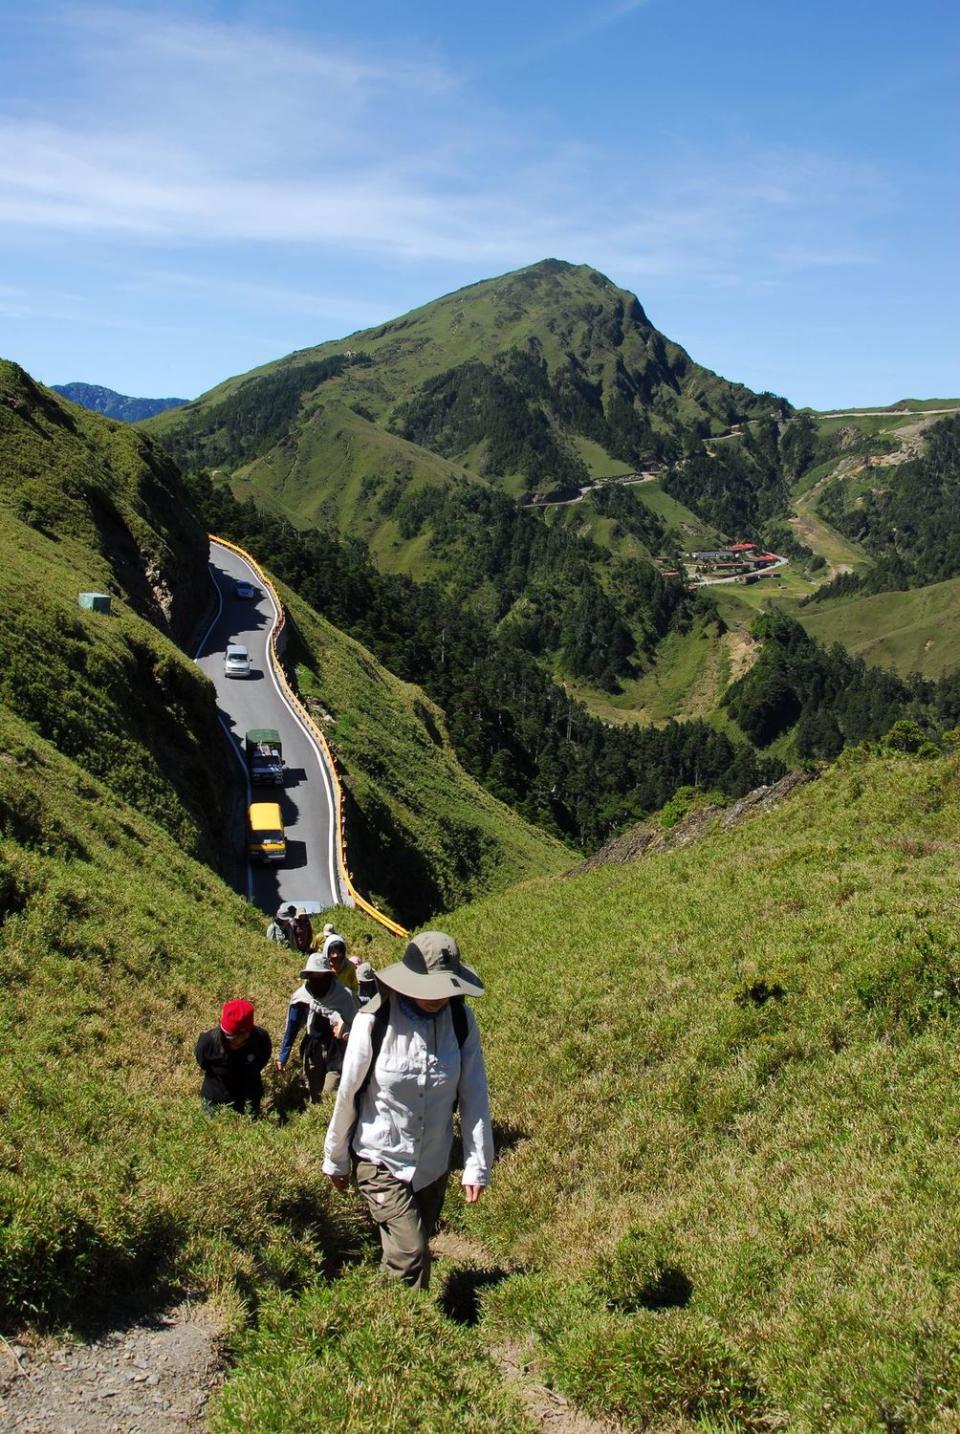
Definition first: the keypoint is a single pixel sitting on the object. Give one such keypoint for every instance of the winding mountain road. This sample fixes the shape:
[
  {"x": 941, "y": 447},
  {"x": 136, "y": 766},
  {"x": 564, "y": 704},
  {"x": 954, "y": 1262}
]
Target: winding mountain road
[{"x": 307, "y": 800}]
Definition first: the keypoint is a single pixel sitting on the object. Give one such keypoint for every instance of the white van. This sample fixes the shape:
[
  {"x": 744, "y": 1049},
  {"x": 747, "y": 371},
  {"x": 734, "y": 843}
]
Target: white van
[{"x": 236, "y": 661}]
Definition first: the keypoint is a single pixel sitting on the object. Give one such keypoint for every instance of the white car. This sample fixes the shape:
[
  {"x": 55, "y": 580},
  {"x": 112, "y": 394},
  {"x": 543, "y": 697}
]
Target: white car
[
  {"x": 243, "y": 589},
  {"x": 236, "y": 661}
]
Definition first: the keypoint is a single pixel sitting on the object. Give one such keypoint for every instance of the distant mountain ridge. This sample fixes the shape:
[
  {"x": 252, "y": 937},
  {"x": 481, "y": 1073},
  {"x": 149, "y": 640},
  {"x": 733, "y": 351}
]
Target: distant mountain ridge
[{"x": 115, "y": 405}]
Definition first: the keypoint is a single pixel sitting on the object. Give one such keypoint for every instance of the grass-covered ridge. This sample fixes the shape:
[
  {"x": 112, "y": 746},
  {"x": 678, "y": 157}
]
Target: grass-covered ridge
[
  {"x": 917, "y": 630},
  {"x": 534, "y": 379},
  {"x": 731, "y": 1072},
  {"x": 86, "y": 503}
]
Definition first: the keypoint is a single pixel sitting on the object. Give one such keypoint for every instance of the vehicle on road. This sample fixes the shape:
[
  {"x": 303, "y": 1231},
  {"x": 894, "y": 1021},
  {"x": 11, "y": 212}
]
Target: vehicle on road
[
  {"x": 266, "y": 839},
  {"x": 236, "y": 661},
  {"x": 244, "y": 589},
  {"x": 264, "y": 753}
]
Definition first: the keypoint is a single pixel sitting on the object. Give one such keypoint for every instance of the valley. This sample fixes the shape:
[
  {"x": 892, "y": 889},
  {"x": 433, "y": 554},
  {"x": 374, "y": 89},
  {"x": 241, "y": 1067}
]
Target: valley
[{"x": 546, "y": 741}]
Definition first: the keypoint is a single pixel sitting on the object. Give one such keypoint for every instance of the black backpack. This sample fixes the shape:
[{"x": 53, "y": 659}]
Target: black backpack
[{"x": 378, "y": 1030}]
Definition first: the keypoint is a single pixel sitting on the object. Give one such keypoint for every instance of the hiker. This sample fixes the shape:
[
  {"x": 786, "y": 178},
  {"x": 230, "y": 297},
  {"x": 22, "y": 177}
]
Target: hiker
[
  {"x": 231, "y": 1056},
  {"x": 301, "y": 931},
  {"x": 335, "y": 950},
  {"x": 413, "y": 1054},
  {"x": 327, "y": 1010},
  {"x": 367, "y": 986},
  {"x": 280, "y": 928}
]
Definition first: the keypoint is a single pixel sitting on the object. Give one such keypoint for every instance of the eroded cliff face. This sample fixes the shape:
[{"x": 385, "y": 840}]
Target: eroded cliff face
[
  {"x": 641, "y": 841},
  {"x": 68, "y": 472}
]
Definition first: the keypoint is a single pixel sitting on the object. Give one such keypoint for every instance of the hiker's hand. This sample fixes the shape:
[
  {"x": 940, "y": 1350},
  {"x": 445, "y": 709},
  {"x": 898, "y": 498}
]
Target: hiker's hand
[
  {"x": 336, "y": 1026},
  {"x": 472, "y": 1193},
  {"x": 281, "y": 1066},
  {"x": 339, "y": 1182}
]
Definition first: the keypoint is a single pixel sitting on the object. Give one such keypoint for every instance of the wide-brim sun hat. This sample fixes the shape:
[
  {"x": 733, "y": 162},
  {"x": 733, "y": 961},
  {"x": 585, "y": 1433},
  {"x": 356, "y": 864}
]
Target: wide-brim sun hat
[
  {"x": 431, "y": 969},
  {"x": 318, "y": 965}
]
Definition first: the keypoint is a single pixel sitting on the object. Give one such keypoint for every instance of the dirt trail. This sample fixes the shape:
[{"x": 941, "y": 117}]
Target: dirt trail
[
  {"x": 152, "y": 1376},
  {"x": 548, "y": 1410}
]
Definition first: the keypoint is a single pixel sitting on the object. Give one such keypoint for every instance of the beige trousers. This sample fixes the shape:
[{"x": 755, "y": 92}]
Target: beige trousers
[{"x": 406, "y": 1217}]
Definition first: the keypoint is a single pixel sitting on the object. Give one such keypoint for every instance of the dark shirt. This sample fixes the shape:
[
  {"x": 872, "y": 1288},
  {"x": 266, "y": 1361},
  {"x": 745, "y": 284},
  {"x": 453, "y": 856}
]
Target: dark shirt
[{"x": 232, "y": 1077}]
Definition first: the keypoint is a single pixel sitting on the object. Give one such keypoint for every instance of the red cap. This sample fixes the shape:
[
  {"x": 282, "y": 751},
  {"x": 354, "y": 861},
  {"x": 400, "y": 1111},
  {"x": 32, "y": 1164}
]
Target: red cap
[{"x": 236, "y": 1018}]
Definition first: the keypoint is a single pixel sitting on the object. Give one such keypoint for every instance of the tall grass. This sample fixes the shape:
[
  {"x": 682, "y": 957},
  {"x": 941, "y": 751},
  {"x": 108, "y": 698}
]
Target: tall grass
[
  {"x": 116, "y": 950},
  {"x": 737, "y": 1064}
]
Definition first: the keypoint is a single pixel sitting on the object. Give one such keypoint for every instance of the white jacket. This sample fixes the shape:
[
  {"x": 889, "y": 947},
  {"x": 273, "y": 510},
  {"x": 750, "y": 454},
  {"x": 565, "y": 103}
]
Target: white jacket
[{"x": 406, "y": 1116}]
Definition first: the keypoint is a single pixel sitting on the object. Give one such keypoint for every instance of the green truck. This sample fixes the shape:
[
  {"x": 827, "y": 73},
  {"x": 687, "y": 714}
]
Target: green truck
[{"x": 264, "y": 753}]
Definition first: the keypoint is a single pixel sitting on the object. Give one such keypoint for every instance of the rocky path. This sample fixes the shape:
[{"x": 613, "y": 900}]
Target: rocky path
[{"x": 152, "y": 1376}]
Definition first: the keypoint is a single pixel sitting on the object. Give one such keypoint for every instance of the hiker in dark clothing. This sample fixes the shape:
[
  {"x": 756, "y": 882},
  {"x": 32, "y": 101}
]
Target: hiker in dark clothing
[
  {"x": 327, "y": 1010},
  {"x": 231, "y": 1057},
  {"x": 291, "y": 927}
]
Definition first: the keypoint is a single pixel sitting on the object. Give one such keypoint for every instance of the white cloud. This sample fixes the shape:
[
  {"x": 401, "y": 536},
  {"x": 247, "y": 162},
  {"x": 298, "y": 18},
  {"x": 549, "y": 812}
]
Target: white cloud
[{"x": 182, "y": 132}]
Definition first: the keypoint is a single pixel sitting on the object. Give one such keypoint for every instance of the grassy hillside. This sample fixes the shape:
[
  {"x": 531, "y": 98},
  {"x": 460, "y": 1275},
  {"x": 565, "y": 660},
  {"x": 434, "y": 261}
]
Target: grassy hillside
[
  {"x": 913, "y": 631},
  {"x": 534, "y": 378},
  {"x": 90, "y": 504},
  {"x": 735, "y": 1165},
  {"x": 70, "y": 474},
  {"x": 728, "y": 1164},
  {"x": 423, "y": 835},
  {"x": 116, "y": 949}
]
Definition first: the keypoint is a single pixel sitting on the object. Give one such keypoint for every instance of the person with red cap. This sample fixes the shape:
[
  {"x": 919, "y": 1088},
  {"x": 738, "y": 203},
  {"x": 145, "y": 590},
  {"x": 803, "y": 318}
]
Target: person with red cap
[{"x": 231, "y": 1057}]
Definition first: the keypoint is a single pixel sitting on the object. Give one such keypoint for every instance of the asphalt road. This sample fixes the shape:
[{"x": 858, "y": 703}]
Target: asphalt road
[{"x": 310, "y": 870}]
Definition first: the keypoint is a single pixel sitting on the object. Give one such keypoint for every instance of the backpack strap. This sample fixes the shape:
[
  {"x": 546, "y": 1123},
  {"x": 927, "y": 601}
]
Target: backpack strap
[
  {"x": 458, "y": 1010},
  {"x": 378, "y": 1030}
]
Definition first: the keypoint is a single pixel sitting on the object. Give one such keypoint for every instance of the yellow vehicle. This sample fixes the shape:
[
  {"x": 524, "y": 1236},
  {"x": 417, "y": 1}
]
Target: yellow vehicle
[{"x": 265, "y": 836}]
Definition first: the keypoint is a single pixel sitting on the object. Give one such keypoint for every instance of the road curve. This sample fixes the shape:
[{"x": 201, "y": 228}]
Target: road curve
[{"x": 310, "y": 871}]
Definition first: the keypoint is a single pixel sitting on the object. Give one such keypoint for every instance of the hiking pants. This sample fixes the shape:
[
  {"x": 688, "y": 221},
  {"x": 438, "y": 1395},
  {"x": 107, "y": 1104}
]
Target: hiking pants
[
  {"x": 406, "y": 1217},
  {"x": 320, "y": 1079}
]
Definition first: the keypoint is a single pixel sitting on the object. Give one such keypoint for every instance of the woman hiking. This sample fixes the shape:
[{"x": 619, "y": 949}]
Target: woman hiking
[{"x": 413, "y": 1054}]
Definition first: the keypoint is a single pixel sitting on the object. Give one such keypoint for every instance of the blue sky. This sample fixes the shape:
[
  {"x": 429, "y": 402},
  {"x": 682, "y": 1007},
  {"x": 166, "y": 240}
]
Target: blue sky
[{"x": 189, "y": 190}]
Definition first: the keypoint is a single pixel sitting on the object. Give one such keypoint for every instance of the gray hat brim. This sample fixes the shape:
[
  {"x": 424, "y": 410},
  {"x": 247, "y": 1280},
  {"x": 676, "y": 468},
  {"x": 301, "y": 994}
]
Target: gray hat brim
[{"x": 430, "y": 985}]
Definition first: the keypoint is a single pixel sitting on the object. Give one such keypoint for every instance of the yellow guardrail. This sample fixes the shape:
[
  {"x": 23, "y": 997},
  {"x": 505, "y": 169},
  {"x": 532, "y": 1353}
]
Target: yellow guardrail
[{"x": 392, "y": 926}]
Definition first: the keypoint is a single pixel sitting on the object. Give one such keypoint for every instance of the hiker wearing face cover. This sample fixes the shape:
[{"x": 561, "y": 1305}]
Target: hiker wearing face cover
[
  {"x": 327, "y": 1010},
  {"x": 335, "y": 949},
  {"x": 413, "y": 1054},
  {"x": 231, "y": 1056}
]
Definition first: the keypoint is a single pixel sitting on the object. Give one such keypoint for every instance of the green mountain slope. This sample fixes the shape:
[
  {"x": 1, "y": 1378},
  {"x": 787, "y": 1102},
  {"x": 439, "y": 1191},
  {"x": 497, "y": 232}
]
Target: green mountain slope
[
  {"x": 536, "y": 379},
  {"x": 733, "y": 1166},
  {"x": 90, "y": 504},
  {"x": 116, "y": 950},
  {"x": 500, "y": 377},
  {"x": 420, "y": 435},
  {"x": 913, "y": 631},
  {"x": 423, "y": 835}
]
